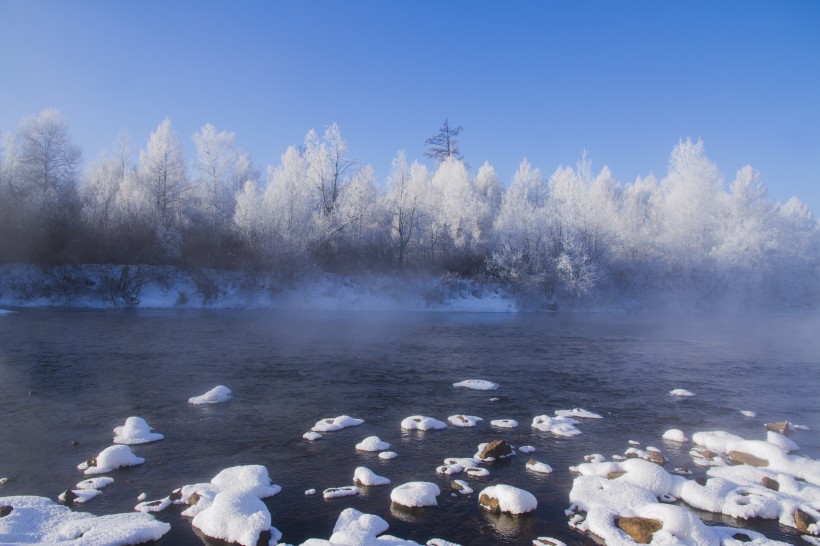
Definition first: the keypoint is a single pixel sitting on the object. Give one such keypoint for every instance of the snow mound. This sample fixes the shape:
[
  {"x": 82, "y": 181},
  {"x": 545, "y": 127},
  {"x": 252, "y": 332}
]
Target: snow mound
[
  {"x": 541, "y": 468},
  {"x": 560, "y": 426},
  {"x": 135, "y": 431},
  {"x": 38, "y": 520},
  {"x": 216, "y": 395},
  {"x": 420, "y": 422},
  {"x": 675, "y": 435},
  {"x": 464, "y": 420},
  {"x": 95, "y": 483},
  {"x": 78, "y": 495},
  {"x": 506, "y": 498},
  {"x": 462, "y": 487},
  {"x": 504, "y": 423},
  {"x": 748, "y": 413},
  {"x": 236, "y": 516},
  {"x": 372, "y": 443},
  {"x": 577, "y": 412},
  {"x": 252, "y": 479},
  {"x": 715, "y": 440},
  {"x": 332, "y": 424},
  {"x": 781, "y": 441},
  {"x": 344, "y": 491},
  {"x": 526, "y": 449},
  {"x": 109, "y": 459},
  {"x": 387, "y": 455},
  {"x": 365, "y": 476},
  {"x": 312, "y": 436},
  {"x": 477, "y": 384},
  {"x": 681, "y": 393},
  {"x": 415, "y": 494},
  {"x": 353, "y": 528}
]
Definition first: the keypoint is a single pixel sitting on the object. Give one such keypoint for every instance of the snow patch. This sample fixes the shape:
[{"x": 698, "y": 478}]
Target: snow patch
[
  {"x": 217, "y": 395},
  {"x": 135, "y": 431},
  {"x": 477, "y": 384}
]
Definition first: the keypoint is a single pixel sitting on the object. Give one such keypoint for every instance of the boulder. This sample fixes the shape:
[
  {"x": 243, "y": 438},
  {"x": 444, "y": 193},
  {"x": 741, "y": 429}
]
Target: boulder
[
  {"x": 802, "y": 520},
  {"x": 747, "y": 458},
  {"x": 175, "y": 495},
  {"x": 742, "y": 537},
  {"x": 615, "y": 474},
  {"x": 780, "y": 427},
  {"x": 655, "y": 457},
  {"x": 490, "y": 503},
  {"x": 68, "y": 497},
  {"x": 769, "y": 483},
  {"x": 639, "y": 529},
  {"x": 5, "y": 510},
  {"x": 496, "y": 449}
]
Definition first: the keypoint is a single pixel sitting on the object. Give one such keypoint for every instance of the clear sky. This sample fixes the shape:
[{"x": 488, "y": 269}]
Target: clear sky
[{"x": 537, "y": 80}]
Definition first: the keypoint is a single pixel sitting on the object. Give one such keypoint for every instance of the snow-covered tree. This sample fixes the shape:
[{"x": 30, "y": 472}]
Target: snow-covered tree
[
  {"x": 406, "y": 185},
  {"x": 163, "y": 175}
]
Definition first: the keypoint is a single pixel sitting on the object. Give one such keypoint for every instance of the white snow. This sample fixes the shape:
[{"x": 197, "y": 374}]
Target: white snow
[
  {"x": 781, "y": 441},
  {"x": 372, "y": 443},
  {"x": 312, "y": 436},
  {"x": 252, "y": 479},
  {"x": 526, "y": 449},
  {"x": 80, "y": 495},
  {"x": 681, "y": 393},
  {"x": 510, "y": 499},
  {"x": 353, "y": 528},
  {"x": 344, "y": 491},
  {"x": 476, "y": 471},
  {"x": 547, "y": 541},
  {"x": 748, "y": 413},
  {"x": 111, "y": 458},
  {"x": 387, "y": 455},
  {"x": 415, "y": 494},
  {"x": 95, "y": 483},
  {"x": 332, "y": 424},
  {"x": 38, "y": 520},
  {"x": 464, "y": 487},
  {"x": 477, "y": 384},
  {"x": 577, "y": 412},
  {"x": 560, "y": 426},
  {"x": 142, "y": 496},
  {"x": 536, "y": 466},
  {"x": 216, "y": 395},
  {"x": 420, "y": 422},
  {"x": 365, "y": 476},
  {"x": 504, "y": 423},
  {"x": 310, "y": 492},
  {"x": 135, "y": 431},
  {"x": 464, "y": 420},
  {"x": 675, "y": 435},
  {"x": 715, "y": 440},
  {"x": 236, "y": 516}
]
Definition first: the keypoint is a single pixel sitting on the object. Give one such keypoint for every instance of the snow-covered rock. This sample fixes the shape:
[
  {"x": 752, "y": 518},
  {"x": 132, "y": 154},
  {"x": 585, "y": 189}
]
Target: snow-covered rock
[
  {"x": 675, "y": 435},
  {"x": 312, "y": 436},
  {"x": 252, "y": 478},
  {"x": 504, "y": 423},
  {"x": 506, "y": 498},
  {"x": 477, "y": 384},
  {"x": 236, "y": 516},
  {"x": 332, "y": 424},
  {"x": 135, "y": 431},
  {"x": 560, "y": 426},
  {"x": 38, "y": 520},
  {"x": 415, "y": 494},
  {"x": 681, "y": 393},
  {"x": 536, "y": 466},
  {"x": 344, "y": 491},
  {"x": 781, "y": 441},
  {"x": 95, "y": 483},
  {"x": 216, "y": 395},
  {"x": 366, "y": 477},
  {"x": 464, "y": 420},
  {"x": 372, "y": 443},
  {"x": 420, "y": 422},
  {"x": 387, "y": 455},
  {"x": 109, "y": 459},
  {"x": 353, "y": 528},
  {"x": 577, "y": 412}
]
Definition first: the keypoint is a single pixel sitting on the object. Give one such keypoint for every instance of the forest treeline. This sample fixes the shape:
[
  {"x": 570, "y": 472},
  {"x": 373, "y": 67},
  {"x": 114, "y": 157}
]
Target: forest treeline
[{"x": 571, "y": 234}]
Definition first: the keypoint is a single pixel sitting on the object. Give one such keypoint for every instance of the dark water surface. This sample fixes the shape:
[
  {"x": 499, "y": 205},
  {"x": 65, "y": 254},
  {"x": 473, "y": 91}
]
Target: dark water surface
[{"x": 73, "y": 375}]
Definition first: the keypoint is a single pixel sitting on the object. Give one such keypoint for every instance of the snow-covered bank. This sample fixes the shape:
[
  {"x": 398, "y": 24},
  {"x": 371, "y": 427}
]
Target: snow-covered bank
[{"x": 101, "y": 286}]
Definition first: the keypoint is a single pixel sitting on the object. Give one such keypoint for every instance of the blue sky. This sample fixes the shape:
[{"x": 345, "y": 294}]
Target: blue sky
[{"x": 537, "y": 80}]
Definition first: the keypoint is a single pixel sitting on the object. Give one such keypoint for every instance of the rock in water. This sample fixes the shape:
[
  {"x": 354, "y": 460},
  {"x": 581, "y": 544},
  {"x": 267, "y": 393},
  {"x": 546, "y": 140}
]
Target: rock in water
[
  {"x": 496, "y": 449},
  {"x": 639, "y": 529},
  {"x": 747, "y": 458}
]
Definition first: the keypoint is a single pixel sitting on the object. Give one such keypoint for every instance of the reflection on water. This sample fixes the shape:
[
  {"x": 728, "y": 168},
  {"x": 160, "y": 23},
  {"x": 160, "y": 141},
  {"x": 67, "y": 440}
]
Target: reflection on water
[{"x": 70, "y": 376}]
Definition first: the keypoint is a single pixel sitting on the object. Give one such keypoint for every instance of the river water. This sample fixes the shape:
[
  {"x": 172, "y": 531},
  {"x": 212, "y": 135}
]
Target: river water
[{"x": 68, "y": 377}]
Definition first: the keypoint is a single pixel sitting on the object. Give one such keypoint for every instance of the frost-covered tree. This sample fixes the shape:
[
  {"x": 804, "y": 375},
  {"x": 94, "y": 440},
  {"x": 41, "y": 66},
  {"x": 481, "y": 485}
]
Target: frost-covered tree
[
  {"x": 406, "y": 185},
  {"x": 444, "y": 144},
  {"x": 162, "y": 173},
  {"x": 457, "y": 206}
]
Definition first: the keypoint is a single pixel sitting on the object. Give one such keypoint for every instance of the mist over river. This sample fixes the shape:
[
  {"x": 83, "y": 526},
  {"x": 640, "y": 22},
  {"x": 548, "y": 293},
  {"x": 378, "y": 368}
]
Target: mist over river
[{"x": 69, "y": 376}]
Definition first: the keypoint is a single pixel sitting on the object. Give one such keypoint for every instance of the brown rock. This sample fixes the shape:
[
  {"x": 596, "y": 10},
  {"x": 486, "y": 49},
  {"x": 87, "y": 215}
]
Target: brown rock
[
  {"x": 639, "y": 529},
  {"x": 802, "y": 520},
  {"x": 615, "y": 474},
  {"x": 490, "y": 503},
  {"x": 747, "y": 458},
  {"x": 780, "y": 426},
  {"x": 462, "y": 419},
  {"x": 457, "y": 486},
  {"x": 496, "y": 449},
  {"x": 770, "y": 483},
  {"x": 706, "y": 454},
  {"x": 175, "y": 495},
  {"x": 5, "y": 510},
  {"x": 742, "y": 537},
  {"x": 91, "y": 462},
  {"x": 546, "y": 541},
  {"x": 69, "y": 496},
  {"x": 655, "y": 457},
  {"x": 193, "y": 499},
  {"x": 264, "y": 538}
]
